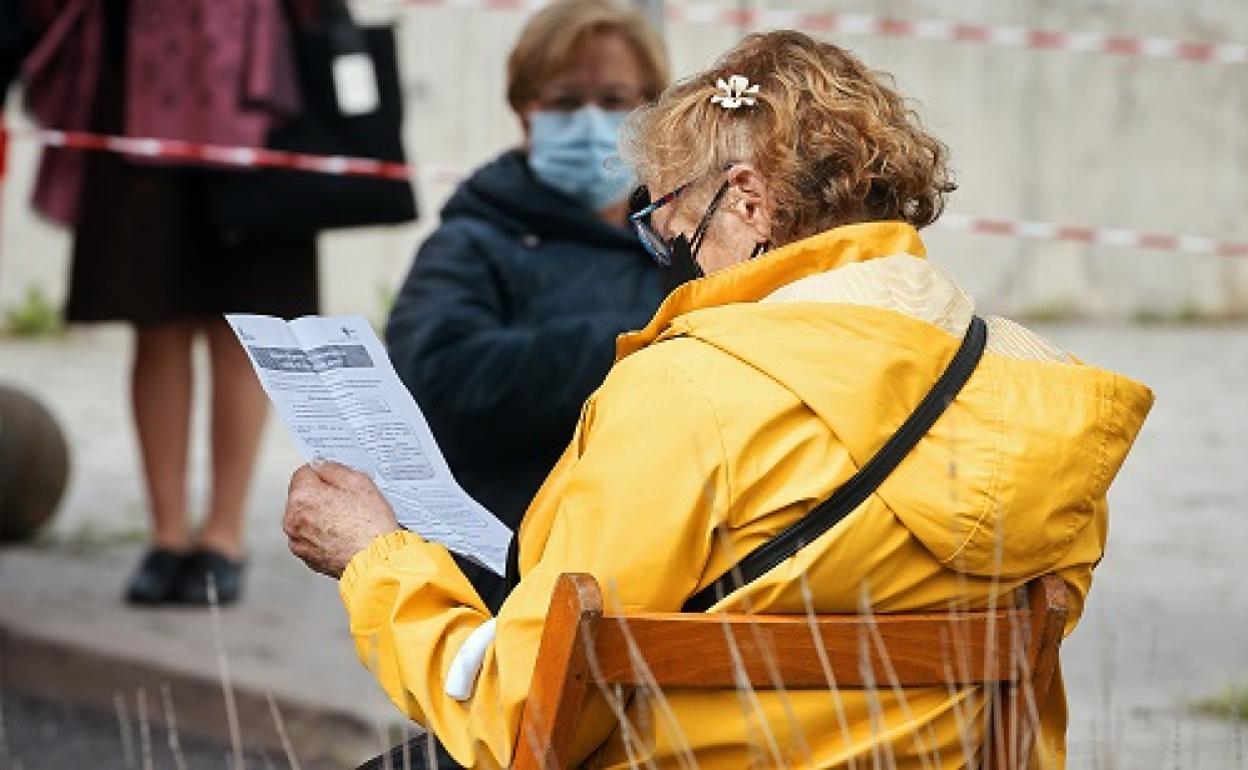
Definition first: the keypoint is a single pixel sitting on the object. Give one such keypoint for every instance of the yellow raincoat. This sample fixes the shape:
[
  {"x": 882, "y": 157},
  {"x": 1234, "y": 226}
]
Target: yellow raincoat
[{"x": 751, "y": 396}]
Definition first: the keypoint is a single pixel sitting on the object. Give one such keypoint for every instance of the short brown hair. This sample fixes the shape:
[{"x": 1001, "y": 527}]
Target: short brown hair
[
  {"x": 551, "y": 38},
  {"x": 833, "y": 139}
]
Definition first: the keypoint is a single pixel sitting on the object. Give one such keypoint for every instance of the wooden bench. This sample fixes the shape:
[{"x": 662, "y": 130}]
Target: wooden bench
[{"x": 1011, "y": 650}]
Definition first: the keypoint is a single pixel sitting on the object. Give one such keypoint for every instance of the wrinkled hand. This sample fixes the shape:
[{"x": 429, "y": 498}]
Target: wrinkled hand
[{"x": 333, "y": 513}]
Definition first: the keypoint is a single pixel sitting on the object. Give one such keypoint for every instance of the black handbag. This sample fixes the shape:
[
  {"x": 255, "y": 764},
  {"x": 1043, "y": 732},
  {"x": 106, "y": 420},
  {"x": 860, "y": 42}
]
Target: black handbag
[{"x": 275, "y": 202}]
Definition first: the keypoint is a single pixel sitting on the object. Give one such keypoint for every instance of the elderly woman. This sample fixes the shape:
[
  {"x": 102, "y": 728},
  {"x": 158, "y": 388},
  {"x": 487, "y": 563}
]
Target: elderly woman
[
  {"x": 508, "y": 319},
  {"x": 796, "y": 185}
]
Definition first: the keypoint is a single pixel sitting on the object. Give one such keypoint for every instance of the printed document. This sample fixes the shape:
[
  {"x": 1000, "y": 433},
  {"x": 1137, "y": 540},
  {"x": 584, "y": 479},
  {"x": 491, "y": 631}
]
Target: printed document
[{"x": 333, "y": 385}]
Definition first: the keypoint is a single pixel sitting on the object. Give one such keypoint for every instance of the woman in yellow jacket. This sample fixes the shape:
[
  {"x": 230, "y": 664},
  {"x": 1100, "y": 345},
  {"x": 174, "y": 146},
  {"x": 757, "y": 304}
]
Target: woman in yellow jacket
[{"x": 798, "y": 180}]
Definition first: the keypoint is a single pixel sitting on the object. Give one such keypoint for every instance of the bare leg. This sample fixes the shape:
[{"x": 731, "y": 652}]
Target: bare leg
[
  {"x": 161, "y": 389},
  {"x": 238, "y": 411}
]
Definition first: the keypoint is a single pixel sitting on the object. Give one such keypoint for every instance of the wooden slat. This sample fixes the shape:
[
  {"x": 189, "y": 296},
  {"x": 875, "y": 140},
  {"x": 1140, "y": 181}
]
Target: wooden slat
[
  {"x": 694, "y": 651},
  {"x": 560, "y": 676}
]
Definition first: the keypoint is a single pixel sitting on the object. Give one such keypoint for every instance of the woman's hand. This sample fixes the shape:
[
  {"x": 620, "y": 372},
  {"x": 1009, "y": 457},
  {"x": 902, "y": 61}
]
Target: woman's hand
[{"x": 333, "y": 513}]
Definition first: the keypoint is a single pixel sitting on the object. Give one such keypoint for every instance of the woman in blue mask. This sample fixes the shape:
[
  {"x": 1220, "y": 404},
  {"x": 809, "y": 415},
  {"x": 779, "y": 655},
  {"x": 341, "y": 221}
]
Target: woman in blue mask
[{"x": 508, "y": 318}]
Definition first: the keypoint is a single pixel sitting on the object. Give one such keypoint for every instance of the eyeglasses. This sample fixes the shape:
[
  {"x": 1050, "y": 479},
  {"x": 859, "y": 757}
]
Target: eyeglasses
[
  {"x": 609, "y": 101},
  {"x": 660, "y": 248}
]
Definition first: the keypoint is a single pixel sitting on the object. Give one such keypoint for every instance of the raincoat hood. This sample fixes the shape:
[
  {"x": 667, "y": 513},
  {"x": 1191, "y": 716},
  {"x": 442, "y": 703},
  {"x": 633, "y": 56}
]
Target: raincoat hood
[{"x": 857, "y": 325}]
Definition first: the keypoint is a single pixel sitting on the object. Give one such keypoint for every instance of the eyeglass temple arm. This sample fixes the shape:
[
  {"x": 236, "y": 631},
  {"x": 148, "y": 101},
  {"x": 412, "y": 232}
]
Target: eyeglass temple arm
[{"x": 705, "y": 224}]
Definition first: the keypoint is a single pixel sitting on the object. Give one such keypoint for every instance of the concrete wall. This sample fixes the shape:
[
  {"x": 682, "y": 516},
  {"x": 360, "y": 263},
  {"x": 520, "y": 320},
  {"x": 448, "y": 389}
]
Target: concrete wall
[{"x": 1080, "y": 139}]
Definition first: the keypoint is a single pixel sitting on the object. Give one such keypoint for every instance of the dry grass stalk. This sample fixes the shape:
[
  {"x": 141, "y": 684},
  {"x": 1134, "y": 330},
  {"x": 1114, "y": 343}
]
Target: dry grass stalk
[
  {"x": 613, "y": 694},
  {"x": 123, "y": 725},
  {"x": 239, "y": 761},
  {"x": 171, "y": 728},
  {"x": 280, "y": 725},
  {"x": 826, "y": 664},
  {"x": 890, "y": 674},
  {"x": 751, "y": 709},
  {"x": 145, "y": 728},
  {"x": 431, "y": 752},
  {"x": 383, "y": 740},
  {"x": 777, "y": 683},
  {"x": 686, "y": 757}
]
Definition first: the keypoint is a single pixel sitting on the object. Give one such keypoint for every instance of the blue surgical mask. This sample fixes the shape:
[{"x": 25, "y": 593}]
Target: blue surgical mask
[{"x": 577, "y": 153}]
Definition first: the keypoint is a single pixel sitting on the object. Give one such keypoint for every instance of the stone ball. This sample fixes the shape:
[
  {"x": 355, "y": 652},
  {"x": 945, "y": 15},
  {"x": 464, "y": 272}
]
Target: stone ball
[{"x": 34, "y": 465}]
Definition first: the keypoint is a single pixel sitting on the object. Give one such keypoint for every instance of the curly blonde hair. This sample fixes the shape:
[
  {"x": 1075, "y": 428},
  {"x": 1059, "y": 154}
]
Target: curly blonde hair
[{"x": 834, "y": 141}]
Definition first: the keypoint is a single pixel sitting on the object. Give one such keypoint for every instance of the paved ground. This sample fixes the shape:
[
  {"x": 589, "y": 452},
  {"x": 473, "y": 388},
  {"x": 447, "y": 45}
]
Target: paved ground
[
  {"x": 51, "y": 734},
  {"x": 1168, "y": 618},
  {"x": 1167, "y": 624}
]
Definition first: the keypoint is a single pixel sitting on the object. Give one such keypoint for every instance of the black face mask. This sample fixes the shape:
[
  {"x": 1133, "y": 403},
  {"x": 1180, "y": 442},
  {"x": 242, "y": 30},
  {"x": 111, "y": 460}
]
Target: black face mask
[
  {"x": 677, "y": 257},
  {"x": 684, "y": 267}
]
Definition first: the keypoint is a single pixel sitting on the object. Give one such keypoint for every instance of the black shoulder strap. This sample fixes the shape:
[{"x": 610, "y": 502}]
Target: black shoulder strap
[{"x": 863, "y": 483}]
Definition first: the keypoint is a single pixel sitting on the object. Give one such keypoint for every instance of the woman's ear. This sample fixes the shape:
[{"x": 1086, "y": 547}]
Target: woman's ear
[{"x": 751, "y": 199}]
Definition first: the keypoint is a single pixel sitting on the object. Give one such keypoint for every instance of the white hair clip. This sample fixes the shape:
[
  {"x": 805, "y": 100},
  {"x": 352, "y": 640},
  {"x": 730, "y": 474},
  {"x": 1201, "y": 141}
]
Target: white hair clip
[{"x": 737, "y": 92}]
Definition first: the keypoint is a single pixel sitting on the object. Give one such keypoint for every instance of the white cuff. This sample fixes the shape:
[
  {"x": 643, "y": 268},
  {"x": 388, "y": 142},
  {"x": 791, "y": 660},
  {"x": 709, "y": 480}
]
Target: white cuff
[{"x": 462, "y": 677}]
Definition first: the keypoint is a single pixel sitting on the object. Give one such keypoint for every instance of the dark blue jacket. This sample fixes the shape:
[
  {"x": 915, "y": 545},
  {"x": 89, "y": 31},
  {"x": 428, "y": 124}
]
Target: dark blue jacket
[{"x": 507, "y": 322}]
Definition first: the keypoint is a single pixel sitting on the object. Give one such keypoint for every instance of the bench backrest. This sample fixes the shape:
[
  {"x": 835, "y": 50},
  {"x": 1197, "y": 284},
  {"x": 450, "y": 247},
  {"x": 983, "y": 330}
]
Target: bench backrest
[{"x": 1011, "y": 650}]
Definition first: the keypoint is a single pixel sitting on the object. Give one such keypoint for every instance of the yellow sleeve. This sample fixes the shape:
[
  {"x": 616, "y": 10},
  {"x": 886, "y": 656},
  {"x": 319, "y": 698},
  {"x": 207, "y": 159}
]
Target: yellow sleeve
[{"x": 638, "y": 506}]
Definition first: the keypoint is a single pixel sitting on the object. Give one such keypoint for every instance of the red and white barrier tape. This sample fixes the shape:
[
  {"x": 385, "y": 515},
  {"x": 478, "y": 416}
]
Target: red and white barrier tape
[
  {"x": 245, "y": 157},
  {"x": 1005, "y": 35},
  {"x": 250, "y": 157},
  {"x": 465, "y": 5},
  {"x": 1095, "y": 236},
  {"x": 867, "y": 25}
]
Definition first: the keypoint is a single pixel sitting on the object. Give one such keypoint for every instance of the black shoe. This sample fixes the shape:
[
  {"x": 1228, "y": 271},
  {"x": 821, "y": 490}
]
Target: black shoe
[
  {"x": 157, "y": 578},
  {"x": 227, "y": 576}
]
